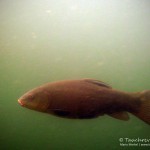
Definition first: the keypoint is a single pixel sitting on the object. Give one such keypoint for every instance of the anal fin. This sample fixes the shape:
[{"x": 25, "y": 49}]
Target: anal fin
[{"x": 120, "y": 115}]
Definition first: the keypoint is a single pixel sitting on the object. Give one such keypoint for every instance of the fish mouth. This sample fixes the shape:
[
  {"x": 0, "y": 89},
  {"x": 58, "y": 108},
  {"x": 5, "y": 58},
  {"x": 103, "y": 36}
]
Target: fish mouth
[{"x": 20, "y": 102}]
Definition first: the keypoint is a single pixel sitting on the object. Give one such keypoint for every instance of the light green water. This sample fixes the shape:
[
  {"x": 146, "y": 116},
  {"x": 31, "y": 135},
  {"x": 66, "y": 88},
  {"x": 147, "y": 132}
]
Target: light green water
[{"x": 49, "y": 40}]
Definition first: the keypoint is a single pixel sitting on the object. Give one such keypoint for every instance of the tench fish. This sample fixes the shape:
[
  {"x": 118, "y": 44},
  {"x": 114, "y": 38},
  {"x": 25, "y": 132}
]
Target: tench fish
[{"x": 87, "y": 98}]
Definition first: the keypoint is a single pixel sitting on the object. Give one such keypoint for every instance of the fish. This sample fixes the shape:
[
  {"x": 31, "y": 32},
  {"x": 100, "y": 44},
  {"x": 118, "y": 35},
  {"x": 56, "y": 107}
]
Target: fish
[{"x": 87, "y": 99}]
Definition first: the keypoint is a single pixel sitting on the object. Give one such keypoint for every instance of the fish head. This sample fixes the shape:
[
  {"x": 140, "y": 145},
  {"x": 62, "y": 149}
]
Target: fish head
[{"x": 36, "y": 99}]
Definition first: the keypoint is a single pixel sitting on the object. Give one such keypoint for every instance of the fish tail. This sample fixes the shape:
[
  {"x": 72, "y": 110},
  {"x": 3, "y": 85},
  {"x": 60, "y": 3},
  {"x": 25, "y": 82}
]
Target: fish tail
[{"x": 144, "y": 108}]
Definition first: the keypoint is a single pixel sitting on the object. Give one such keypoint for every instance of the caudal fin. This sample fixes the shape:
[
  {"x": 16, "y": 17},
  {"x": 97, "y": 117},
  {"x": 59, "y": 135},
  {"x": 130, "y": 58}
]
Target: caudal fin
[{"x": 144, "y": 110}]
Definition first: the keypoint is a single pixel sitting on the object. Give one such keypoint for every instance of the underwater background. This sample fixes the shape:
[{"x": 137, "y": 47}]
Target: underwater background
[{"x": 48, "y": 40}]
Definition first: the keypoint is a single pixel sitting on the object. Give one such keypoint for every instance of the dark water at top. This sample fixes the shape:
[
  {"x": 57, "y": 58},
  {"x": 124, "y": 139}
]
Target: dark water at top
[{"x": 48, "y": 40}]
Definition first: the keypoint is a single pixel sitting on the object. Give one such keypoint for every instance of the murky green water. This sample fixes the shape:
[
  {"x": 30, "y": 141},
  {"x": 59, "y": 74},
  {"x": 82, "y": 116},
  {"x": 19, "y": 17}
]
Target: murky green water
[{"x": 48, "y": 40}]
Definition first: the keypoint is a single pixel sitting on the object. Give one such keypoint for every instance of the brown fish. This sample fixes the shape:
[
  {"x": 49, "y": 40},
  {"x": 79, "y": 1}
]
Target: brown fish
[{"x": 87, "y": 98}]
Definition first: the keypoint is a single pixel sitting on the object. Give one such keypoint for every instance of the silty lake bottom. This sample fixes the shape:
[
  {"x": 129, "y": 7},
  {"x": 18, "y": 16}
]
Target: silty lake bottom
[{"x": 44, "y": 41}]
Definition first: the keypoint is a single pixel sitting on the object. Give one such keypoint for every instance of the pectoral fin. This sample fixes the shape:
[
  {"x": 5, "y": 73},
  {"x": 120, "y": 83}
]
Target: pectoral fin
[
  {"x": 120, "y": 115},
  {"x": 60, "y": 112}
]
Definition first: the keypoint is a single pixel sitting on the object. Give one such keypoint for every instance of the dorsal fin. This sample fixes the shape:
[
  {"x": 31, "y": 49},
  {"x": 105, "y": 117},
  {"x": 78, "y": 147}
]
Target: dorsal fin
[
  {"x": 97, "y": 82},
  {"x": 120, "y": 115}
]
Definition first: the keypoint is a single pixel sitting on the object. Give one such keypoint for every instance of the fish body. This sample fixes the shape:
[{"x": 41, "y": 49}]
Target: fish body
[{"x": 86, "y": 98}]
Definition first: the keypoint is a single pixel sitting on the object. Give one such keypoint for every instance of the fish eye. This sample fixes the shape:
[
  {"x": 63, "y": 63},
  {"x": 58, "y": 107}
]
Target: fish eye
[{"x": 31, "y": 97}]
